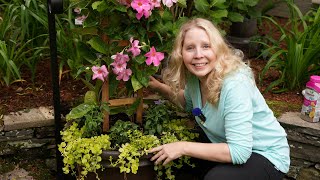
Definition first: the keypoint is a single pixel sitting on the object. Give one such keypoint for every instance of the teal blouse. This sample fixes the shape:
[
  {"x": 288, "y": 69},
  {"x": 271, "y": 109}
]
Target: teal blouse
[{"x": 242, "y": 119}]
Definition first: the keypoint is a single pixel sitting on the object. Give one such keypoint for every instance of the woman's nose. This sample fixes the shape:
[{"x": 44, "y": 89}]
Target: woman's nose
[{"x": 198, "y": 53}]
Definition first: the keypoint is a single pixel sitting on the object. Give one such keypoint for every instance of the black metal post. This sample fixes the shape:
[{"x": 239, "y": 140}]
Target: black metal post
[{"x": 55, "y": 7}]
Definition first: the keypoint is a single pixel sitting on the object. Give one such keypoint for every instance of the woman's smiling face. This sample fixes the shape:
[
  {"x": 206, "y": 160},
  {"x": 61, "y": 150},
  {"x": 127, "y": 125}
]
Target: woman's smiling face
[{"x": 197, "y": 53}]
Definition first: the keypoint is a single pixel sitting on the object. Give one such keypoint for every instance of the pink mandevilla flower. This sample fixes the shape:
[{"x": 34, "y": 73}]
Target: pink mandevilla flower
[
  {"x": 169, "y": 3},
  {"x": 124, "y": 75},
  {"x": 155, "y": 3},
  {"x": 140, "y": 5},
  {"x": 120, "y": 58},
  {"x": 118, "y": 67},
  {"x": 135, "y": 48},
  {"x": 154, "y": 57},
  {"x": 99, "y": 72},
  {"x": 77, "y": 10}
]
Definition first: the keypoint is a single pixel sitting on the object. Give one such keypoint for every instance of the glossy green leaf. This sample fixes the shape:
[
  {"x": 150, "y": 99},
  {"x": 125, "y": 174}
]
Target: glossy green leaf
[
  {"x": 79, "y": 111},
  {"x": 201, "y": 5},
  {"x": 136, "y": 84},
  {"x": 97, "y": 44}
]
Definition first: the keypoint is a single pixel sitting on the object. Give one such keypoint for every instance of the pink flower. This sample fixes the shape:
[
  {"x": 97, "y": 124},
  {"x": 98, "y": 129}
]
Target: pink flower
[
  {"x": 120, "y": 58},
  {"x": 80, "y": 19},
  {"x": 139, "y": 15},
  {"x": 169, "y": 3},
  {"x": 99, "y": 72},
  {"x": 155, "y": 3},
  {"x": 154, "y": 57},
  {"x": 118, "y": 67},
  {"x": 135, "y": 48},
  {"x": 77, "y": 10},
  {"x": 147, "y": 13},
  {"x": 140, "y": 5},
  {"x": 124, "y": 75}
]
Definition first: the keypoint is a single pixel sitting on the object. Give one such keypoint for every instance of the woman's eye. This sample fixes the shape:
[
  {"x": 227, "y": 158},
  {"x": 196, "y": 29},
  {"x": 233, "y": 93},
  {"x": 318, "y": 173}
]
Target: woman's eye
[{"x": 206, "y": 46}]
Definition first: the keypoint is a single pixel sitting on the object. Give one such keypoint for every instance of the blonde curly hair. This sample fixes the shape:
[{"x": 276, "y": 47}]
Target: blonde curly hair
[{"x": 176, "y": 73}]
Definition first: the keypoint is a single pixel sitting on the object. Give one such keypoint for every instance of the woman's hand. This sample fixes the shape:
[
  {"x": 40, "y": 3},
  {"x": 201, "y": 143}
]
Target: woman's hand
[
  {"x": 167, "y": 152},
  {"x": 154, "y": 83}
]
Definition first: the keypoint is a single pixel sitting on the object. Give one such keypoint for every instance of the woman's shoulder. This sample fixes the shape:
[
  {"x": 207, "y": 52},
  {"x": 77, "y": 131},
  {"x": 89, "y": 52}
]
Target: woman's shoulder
[{"x": 242, "y": 75}]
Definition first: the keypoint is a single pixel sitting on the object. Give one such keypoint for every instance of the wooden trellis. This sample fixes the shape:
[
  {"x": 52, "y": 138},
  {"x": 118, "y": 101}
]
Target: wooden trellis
[{"x": 120, "y": 102}]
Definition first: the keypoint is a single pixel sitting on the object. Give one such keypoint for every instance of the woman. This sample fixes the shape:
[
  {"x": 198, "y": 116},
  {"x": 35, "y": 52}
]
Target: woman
[{"x": 246, "y": 140}]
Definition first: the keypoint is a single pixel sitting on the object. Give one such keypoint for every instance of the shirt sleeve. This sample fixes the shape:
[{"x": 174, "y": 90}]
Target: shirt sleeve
[{"x": 238, "y": 120}]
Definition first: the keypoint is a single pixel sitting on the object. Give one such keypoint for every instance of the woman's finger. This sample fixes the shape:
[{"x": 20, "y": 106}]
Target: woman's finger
[
  {"x": 156, "y": 156},
  {"x": 161, "y": 158},
  {"x": 156, "y": 149},
  {"x": 167, "y": 161}
]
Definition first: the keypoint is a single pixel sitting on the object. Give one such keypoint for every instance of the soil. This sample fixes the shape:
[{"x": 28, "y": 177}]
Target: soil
[{"x": 25, "y": 95}]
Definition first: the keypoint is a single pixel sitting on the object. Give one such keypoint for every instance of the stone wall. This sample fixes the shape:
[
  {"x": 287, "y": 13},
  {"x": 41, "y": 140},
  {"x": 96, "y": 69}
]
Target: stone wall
[
  {"x": 32, "y": 133},
  {"x": 29, "y": 133},
  {"x": 304, "y": 141}
]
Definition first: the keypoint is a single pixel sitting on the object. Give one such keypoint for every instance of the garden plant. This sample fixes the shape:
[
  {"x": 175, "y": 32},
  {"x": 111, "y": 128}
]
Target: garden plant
[
  {"x": 122, "y": 43},
  {"x": 296, "y": 55},
  {"x": 125, "y": 58}
]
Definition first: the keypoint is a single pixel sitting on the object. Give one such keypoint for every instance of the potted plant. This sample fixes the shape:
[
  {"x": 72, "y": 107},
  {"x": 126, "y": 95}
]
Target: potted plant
[
  {"x": 243, "y": 16},
  {"x": 102, "y": 132},
  {"x": 122, "y": 151}
]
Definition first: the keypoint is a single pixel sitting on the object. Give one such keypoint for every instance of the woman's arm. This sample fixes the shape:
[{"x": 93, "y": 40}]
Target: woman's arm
[
  {"x": 166, "y": 91},
  {"x": 218, "y": 152}
]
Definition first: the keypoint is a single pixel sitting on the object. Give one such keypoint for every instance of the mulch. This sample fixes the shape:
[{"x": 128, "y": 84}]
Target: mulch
[{"x": 26, "y": 94}]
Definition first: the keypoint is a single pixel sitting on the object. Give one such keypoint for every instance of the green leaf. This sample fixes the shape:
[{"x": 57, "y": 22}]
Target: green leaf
[
  {"x": 97, "y": 44},
  {"x": 130, "y": 111},
  {"x": 182, "y": 3},
  {"x": 159, "y": 128},
  {"x": 218, "y": 14},
  {"x": 99, "y": 6},
  {"x": 235, "y": 17},
  {"x": 90, "y": 97},
  {"x": 121, "y": 8},
  {"x": 79, "y": 111},
  {"x": 136, "y": 84},
  {"x": 85, "y": 31},
  {"x": 201, "y": 5},
  {"x": 96, "y": 4}
]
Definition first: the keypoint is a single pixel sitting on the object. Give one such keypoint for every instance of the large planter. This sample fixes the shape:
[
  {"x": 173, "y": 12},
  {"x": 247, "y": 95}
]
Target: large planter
[
  {"x": 145, "y": 172},
  {"x": 241, "y": 35}
]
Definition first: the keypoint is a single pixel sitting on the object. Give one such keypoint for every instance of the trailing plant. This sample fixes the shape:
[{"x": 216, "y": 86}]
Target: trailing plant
[
  {"x": 79, "y": 149},
  {"x": 296, "y": 55}
]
